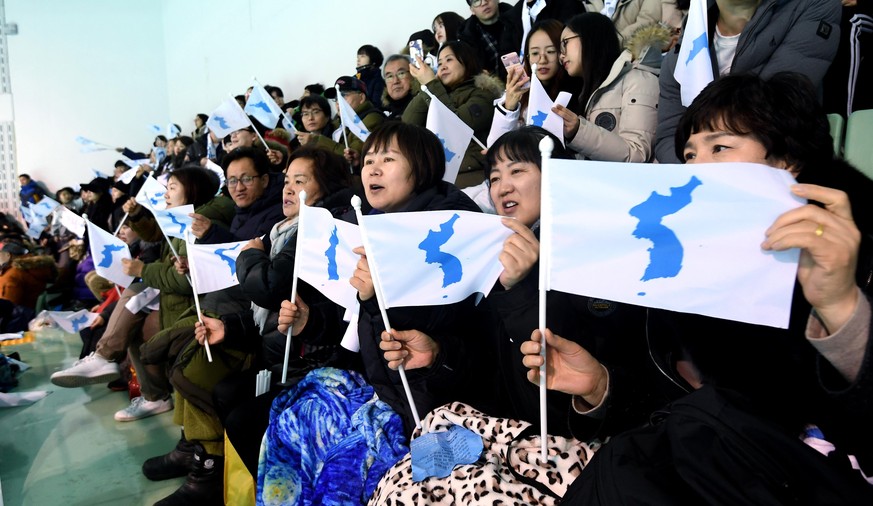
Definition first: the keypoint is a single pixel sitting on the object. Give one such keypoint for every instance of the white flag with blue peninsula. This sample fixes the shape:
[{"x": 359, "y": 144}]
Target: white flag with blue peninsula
[
  {"x": 151, "y": 195},
  {"x": 539, "y": 109},
  {"x": 262, "y": 107},
  {"x": 431, "y": 258},
  {"x": 73, "y": 321},
  {"x": 351, "y": 120},
  {"x": 227, "y": 118},
  {"x": 680, "y": 237},
  {"x": 44, "y": 207},
  {"x": 107, "y": 251},
  {"x": 72, "y": 221},
  {"x": 213, "y": 266},
  {"x": 127, "y": 176},
  {"x": 453, "y": 133},
  {"x": 174, "y": 221},
  {"x": 694, "y": 66},
  {"x": 324, "y": 254}
]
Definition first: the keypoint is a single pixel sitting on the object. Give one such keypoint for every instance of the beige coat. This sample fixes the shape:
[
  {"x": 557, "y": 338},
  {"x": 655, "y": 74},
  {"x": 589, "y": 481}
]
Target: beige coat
[
  {"x": 630, "y": 15},
  {"x": 621, "y": 116}
]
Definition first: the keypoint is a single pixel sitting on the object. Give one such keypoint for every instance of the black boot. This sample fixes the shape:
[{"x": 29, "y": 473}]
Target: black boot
[
  {"x": 175, "y": 464},
  {"x": 204, "y": 485}
]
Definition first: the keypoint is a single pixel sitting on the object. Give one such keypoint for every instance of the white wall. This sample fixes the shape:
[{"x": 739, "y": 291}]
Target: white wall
[{"x": 107, "y": 69}]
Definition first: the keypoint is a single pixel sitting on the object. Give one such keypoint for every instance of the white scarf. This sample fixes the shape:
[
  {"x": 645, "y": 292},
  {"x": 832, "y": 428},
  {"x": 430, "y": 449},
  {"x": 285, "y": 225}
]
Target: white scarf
[
  {"x": 529, "y": 15},
  {"x": 280, "y": 234}
]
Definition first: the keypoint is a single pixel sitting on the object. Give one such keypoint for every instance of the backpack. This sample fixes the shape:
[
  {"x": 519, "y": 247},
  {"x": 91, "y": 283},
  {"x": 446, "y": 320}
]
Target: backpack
[{"x": 705, "y": 449}]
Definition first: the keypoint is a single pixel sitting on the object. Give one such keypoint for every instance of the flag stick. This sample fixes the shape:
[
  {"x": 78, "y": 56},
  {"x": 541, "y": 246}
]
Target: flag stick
[
  {"x": 433, "y": 97},
  {"x": 380, "y": 298},
  {"x": 295, "y": 272},
  {"x": 282, "y": 112},
  {"x": 121, "y": 224},
  {"x": 533, "y": 72},
  {"x": 263, "y": 142},
  {"x": 339, "y": 96},
  {"x": 196, "y": 297},
  {"x": 546, "y": 147}
]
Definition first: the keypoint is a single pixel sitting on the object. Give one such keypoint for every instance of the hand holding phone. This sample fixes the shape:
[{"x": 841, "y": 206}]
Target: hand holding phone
[{"x": 511, "y": 61}]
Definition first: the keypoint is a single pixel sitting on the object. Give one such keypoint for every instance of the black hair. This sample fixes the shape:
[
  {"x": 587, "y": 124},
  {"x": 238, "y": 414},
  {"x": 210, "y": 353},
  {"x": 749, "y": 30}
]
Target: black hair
[
  {"x": 274, "y": 89},
  {"x": 257, "y": 156},
  {"x": 466, "y": 55},
  {"x": 200, "y": 184},
  {"x": 523, "y": 145},
  {"x": 330, "y": 170},
  {"x": 601, "y": 46},
  {"x": 316, "y": 101},
  {"x": 314, "y": 88},
  {"x": 204, "y": 118},
  {"x": 121, "y": 163},
  {"x": 452, "y": 22},
  {"x": 373, "y": 53},
  {"x": 421, "y": 148},
  {"x": 25, "y": 175},
  {"x": 782, "y": 113}
]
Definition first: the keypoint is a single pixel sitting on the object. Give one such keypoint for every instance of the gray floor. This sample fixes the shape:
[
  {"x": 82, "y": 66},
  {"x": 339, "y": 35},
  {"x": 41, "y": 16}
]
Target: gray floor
[{"x": 66, "y": 449}]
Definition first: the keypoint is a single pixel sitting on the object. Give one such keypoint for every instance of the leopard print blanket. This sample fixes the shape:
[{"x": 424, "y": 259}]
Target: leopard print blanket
[{"x": 507, "y": 473}]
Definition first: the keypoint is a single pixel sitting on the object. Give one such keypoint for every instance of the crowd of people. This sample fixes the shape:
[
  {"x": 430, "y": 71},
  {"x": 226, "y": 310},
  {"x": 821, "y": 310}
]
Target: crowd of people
[{"x": 644, "y": 405}]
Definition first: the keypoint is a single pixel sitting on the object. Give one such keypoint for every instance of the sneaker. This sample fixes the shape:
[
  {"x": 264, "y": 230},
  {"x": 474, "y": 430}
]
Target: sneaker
[
  {"x": 141, "y": 408},
  {"x": 90, "y": 370}
]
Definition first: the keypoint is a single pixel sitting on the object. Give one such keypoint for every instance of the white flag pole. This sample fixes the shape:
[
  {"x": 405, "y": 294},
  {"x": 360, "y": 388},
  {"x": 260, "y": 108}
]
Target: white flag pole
[
  {"x": 121, "y": 224},
  {"x": 295, "y": 273},
  {"x": 433, "y": 97},
  {"x": 546, "y": 146},
  {"x": 533, "y": 72},
  {"x": 339, "y": 96},
  {"x": 263, "y": 142},
  {"x": 191, "y": 278},
  {"x": 380, "y": 299}
]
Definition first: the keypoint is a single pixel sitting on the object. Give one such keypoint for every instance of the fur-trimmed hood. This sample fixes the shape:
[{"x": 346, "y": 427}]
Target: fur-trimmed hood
[
  {"x": 33, "y": 262},
  {"x": 652, "y": 36},
  {"x": 491, "y": 84}
]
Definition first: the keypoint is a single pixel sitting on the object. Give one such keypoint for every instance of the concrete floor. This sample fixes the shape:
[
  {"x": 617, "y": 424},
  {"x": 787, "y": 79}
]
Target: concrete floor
[{"x": 67, "y": 449}]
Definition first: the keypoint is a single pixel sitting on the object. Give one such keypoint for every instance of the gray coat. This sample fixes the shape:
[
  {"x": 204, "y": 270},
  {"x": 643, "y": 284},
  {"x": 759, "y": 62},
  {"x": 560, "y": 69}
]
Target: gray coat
[{"x": 783, "y": 35}]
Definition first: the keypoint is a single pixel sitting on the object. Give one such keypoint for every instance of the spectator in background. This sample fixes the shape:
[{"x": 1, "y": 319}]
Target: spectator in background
[
  {"x": 354, "y": 92},
  {"x": 98, "y": 202},
  {"x": 315, "y": 115},
  {"x": 515, "y": 30},
  {"x": 313, "y": 89},
  {"x": 23, "y": 276},
  {"x": 68, "y": 198},
  {"x": 369, "y": 64},
  {"x": 200, "y": 128},
  {"x": 446, "y": 26},
  {"x": 464, "y": 89},
  {"x": 277, "y": 94},
  {"x": 760, "y": 37},
  {"x": 398, "y": 86},
  {"x": 484, "y": 32},
  {"x": 30, "y": 191}
]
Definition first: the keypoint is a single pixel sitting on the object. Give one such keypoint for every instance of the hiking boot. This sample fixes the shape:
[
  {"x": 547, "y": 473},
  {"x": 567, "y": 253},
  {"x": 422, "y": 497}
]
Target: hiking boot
[
  {"x": 141, "y": 408},
  {"x": 204, "y": 485},
  {"x": 175, "y": 464},
  {"x": 90, "y": 370}
]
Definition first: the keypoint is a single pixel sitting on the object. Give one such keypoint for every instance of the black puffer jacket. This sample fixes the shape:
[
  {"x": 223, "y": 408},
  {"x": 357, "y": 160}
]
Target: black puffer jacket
[{"x": 253, "y": 221}]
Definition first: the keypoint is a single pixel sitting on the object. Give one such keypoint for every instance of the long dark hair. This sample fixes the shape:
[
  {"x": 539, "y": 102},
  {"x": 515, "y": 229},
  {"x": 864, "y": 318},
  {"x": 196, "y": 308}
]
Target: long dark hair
[
  {"x": 452, "y": 22},
  {"x": 552, "y": 28},
  {"x": 600, "y": 45}
]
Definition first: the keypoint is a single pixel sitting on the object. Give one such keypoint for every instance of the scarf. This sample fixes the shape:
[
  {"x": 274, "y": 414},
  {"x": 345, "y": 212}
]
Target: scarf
[{"x": 280, "y": 234}]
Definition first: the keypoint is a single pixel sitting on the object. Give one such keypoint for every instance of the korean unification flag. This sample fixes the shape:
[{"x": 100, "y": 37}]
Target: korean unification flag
[
  {"x": 213, "y": 266},
  {"x": 432, "y": 258},
  {"x": 174, "y": 222},
  {"x": 262, "y": 107},
  {"x": 44, "y": 207},
  {"x": 89, "y": 146},
  {"x": 73, "y": 322},
  {"x": 151, "y": 195},
  {"x": 539, "y": 109},
  {"x": 351, "y": 120},
  {"x": 287, "y": 124},
  {"x": 172, "y": 131},
  {"x": 694, "y": 66},
  {"x": 227, "y": 118},
  {"x": 453, "y": 133},
  {"x": 107, "y": 252},
  {"x": 127, "y": 176},
  {"x": 155, "y": 129},
  {"x": 679, "y": 237},
  {"x": 324, "y": 254},
  {"x": 72, "y": 221}
]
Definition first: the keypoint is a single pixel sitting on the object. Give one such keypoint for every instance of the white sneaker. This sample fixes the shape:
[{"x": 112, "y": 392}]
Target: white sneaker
[
  {"x": 141, "y": 408},
  {"x": 90, "y": 370}
]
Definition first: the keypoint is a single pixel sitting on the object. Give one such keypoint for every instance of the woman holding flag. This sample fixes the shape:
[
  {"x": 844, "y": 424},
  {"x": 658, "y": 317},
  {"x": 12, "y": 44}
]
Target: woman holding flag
[
  {"x": 461, "y": 85},
  {"x": 785, "y": 390}
]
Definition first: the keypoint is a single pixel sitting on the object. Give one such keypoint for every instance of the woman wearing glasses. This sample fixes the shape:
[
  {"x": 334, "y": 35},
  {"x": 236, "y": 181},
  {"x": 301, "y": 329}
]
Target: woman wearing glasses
[
  {"x": 540, "y": 48},
  {"x": 616, "y": 114}
]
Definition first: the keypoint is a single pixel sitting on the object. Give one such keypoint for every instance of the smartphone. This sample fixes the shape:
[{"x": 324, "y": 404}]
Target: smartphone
[
  {"x": 511, "y": 60},
  {"x": 415, "y": 50}
]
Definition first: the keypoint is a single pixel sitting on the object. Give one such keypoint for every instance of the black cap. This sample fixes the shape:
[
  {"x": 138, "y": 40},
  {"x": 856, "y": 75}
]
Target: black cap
[
  {"x": 97, "y": 185},
  {"x": 349, "y": 83}
]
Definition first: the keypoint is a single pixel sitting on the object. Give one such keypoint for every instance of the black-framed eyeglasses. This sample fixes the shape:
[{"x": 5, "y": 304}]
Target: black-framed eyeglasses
[
  {"x": 564, "y": 42},
  {"x": 245, "y": 180}
]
